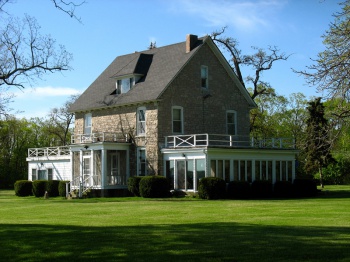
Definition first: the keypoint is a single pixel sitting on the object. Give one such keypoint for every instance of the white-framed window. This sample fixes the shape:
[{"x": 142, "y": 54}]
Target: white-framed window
[
  {"x": 141, "y": 161},
  {"x": 87, "y": 123},
  {"x": 34, "y": 175},
  {"x": 177, "y": 120},
  {"x": 204, "y": 76},
  {"x": 49, "y": 174},
  {"x": 231, "y": 122},
  {"x": 141, "y": 121},
  {"x": 124, "y": 85}
]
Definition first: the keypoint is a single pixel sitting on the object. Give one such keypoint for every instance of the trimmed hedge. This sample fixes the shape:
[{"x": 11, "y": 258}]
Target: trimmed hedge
[
  {"x": 154, "y": 187},
  {"x": 304, "y": 187},
  {"x": 52, "y": 188},
  {"x": 283, "y": 189},
  {"x": 134, "y": 185},
  {"x": 39, "y": 187},
  {"x": 23, "y": 188},
  {"x": 261, "y": 189},
  {"x": 62, "y": 188},
  {"x": 238, "y": 189},
  {"x": 212, "y": 188}
]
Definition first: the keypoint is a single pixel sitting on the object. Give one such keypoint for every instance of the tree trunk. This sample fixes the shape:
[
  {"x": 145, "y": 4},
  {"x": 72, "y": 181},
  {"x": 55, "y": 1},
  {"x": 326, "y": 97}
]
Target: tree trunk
[{"x": 321, "y": 178}]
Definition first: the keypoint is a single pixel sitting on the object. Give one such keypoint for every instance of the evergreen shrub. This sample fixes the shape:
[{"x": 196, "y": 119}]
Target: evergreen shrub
[
  {"x": 212, "y": 188},
  {"x": 261, "y": 189},
  {"x": 23, "y": 188},
  {"x": 62, "y": 188},
  {"x": 238, "y": 189},
  {"x": 305, "y": 187},
  {"x": 154, "y": 187},
  {"x": 134, "y": 185},
  {"x": 39, "y": 187},
  {"x": 52, "y": 188},
  {"x": 283, "y": 189}
]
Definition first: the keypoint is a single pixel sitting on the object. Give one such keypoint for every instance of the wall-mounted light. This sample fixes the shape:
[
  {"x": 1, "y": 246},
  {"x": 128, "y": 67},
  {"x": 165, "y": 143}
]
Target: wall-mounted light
[
  {"x": 183, "y": 154},
  {"x": 86, "y": 147},
  {"x": 42, "y": 164}
]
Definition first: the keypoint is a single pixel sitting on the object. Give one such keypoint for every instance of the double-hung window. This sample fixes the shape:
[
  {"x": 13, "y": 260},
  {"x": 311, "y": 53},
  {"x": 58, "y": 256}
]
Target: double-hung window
[
  {"x": 231, "y": 122},
  {"x": 204, "y": 76},
  {"x": 141, "y": 161},
  {"x": 141, "y": 121},
  {"x": 87, "y": 123},
  {"x": 177, "y": 119}
]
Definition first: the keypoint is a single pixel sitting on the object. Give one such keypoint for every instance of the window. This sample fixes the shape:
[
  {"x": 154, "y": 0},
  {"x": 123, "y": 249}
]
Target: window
[
  {"x": 204, "y": 76},
  {"x": 34, "y": 174},
  {"x": 49, "y": 174},
  {"x": 177, "y": 117},
  {"x": 141, "y": 121},
  {"x": 87, "y": 123},
  {"x": 124, "y": 85},
  {"x": 231, "y": 121},
  {"x": 141, "y": 161}
]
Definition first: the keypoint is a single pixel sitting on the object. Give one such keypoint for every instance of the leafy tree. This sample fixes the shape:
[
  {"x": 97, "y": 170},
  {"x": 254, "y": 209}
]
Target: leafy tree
[
  {"x": 317, "y": 146},
  {"x": 260, "y": 61}
]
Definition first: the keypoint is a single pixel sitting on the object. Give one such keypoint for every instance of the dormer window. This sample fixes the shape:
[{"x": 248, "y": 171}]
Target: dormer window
[{"x": 124, "y": 85}]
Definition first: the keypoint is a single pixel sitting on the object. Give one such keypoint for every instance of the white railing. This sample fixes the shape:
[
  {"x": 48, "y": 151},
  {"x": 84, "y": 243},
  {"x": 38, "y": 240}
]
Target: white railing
[
  {"x": 217, "y": 140},
  {"x": 81, "y": 186},
  {"x": 99, "y": 137},
  {"x": 49, "y": 151}
]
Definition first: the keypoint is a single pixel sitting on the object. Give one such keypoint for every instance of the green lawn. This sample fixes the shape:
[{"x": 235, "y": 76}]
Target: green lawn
[{"x": 183, "y": 229}]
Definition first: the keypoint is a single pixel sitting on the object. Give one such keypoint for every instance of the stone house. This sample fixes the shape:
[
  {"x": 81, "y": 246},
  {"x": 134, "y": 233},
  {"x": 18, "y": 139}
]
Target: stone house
[{"x": 177, "y": 111}]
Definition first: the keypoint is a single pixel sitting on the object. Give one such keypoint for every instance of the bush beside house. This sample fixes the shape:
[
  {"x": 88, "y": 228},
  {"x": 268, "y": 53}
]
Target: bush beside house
[
  {"x": 154, "y": 187},
  {"x": 134, "y": 185},
  {"x": 23, "y": 188},
  {"x": 212, "y": 188}
]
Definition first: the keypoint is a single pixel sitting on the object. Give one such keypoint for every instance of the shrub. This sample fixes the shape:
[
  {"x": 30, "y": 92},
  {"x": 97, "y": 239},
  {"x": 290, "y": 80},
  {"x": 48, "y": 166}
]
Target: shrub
[
  {"x": 283, "y": 189},
  {"x": 261, "y": 188},
  {"x": 238, "y": 189},
  {"x": 154, "y": 186},
  {"x": 304, "y": 187},
  {"x": 212, "y": 188},
  {"x": 39, "y": 187},
  {"x": 134, "y": 185},
  {"x": 52, "y": 187},
  {"x": 62, "y": 188},
  {"x": 23, "y": 188}
]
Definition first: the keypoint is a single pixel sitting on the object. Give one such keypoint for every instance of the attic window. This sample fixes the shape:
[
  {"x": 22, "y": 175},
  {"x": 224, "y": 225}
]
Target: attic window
[{"x": 124, "y": 85}]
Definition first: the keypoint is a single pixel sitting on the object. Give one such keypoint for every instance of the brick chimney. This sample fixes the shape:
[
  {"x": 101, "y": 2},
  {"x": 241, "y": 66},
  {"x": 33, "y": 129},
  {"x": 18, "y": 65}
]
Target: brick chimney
[{"x": 191, "y": 41}]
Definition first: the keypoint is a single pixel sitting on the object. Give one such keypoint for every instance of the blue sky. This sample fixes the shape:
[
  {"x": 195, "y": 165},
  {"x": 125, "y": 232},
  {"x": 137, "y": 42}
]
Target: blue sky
[{"x": 111, "y": 28}]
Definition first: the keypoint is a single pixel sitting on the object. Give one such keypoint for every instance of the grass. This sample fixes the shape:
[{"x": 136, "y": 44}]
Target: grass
[{"x": 181, "y": 229}]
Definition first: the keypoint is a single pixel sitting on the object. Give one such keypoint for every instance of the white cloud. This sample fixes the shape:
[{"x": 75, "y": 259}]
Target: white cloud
[
  {"x": 241, "y": 14},
  {"x": 45, "y": 92}
]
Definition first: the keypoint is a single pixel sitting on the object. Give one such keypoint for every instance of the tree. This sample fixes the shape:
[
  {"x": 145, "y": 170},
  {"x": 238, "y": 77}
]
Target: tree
[
  {"x": 318, "y": 146},
  {"x": 260, "y": 61},
  {"x": 60, "y": 121},
  {"x": 330, "y": 71}
]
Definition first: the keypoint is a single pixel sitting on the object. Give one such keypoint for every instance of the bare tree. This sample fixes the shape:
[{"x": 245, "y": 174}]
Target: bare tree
[
  {"x": 260, "y": 61},
  {"x": 68, "y": 7},
  {"x": 330, "y": 71},
  {"x": 26, "y": 55}
]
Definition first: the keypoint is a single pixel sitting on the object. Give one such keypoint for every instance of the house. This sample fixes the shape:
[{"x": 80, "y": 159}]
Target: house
[{"x": 178, "y": 111}]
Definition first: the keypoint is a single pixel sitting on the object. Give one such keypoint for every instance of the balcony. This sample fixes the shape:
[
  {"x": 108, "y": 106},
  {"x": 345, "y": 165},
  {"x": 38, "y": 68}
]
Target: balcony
[
  {"x": 99, "y": 137},
  {"x": 49, "y": 151},
  {"x": 231, "y": 141}
]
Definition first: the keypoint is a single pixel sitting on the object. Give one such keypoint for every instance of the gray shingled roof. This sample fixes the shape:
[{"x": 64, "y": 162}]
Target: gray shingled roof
[{"x": 159, "y": 66}]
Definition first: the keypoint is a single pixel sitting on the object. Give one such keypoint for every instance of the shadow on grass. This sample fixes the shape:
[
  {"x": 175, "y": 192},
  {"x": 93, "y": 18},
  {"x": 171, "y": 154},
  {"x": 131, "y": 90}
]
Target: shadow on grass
[{"x": 190, "y": 242}]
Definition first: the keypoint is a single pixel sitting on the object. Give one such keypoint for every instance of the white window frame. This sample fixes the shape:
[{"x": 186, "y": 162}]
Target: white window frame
[
  {"x": 120, "y": 88},
  {"x": 141, "y": 124},
  {"x": 181, "y": 119},
  {"x": 143, "y": 162},
  {"x": 88, "y": 123},
  {"x": 206, "y": 77},
  {"x": 235, "y": 122}
]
